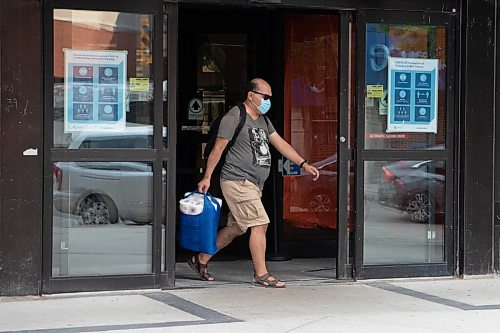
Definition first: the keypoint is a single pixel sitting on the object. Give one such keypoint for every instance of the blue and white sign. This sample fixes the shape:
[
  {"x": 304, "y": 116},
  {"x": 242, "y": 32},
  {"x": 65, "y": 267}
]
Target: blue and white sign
[
  {"x": 413, "y": 89},
  {"x": 95, "y": 86},
  {"x": 290, "y": 168}
]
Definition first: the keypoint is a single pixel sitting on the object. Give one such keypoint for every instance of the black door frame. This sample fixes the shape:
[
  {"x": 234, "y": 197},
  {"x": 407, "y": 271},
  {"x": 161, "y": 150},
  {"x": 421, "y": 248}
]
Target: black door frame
[
  {"x": 345, "y": 149},
  {"x": 157, "y": 156},
  {"x": 362, "y": 155},
  {"x": 345, "y": 153}
]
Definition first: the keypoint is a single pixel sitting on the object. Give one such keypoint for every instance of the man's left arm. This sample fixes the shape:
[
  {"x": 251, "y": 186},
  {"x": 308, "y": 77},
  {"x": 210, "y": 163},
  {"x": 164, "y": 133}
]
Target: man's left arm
[{"x": 289, "y": 152}]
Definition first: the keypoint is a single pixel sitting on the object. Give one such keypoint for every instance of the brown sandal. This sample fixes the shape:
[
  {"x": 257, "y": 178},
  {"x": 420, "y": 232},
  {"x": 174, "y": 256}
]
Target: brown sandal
[
  {"x": 200, "y": 269},
  {"x": 265, "y": 281}
]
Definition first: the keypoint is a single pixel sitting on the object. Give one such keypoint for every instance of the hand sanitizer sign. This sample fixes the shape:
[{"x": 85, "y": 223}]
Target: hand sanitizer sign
[{"x": 413, "y": 91}]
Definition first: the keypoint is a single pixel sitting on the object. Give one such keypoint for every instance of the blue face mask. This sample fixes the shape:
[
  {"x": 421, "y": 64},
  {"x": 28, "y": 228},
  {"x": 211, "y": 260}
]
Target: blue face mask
[{"x": 265, "y": 105}]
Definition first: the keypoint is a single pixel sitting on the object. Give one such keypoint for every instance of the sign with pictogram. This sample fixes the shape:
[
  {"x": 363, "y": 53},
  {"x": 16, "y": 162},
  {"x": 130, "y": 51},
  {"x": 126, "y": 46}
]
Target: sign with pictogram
[
  {"x": 413, "y": 94},
  {"x": 382, "y": 104},
  {"x": 94, "y": 90},
  {"x": 195, "y": 109}
]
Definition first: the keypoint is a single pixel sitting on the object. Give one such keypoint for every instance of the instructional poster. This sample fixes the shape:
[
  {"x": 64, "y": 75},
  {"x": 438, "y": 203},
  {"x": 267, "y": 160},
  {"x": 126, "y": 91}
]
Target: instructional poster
[
  {"x": 413, "y": 89},
  {"x": 94, "y": 94}
]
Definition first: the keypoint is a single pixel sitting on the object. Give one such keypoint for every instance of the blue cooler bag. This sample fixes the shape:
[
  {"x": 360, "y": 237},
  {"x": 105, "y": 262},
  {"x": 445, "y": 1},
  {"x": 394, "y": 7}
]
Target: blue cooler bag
[{"x": 198, "y": 222}]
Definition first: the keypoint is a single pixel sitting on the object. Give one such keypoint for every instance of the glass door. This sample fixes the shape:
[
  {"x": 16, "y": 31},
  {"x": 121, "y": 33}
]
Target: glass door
[
  {"x": 318, "y": 108},
  {"x": 107, "y": 149},
  {"x": 405, "y": 147}
]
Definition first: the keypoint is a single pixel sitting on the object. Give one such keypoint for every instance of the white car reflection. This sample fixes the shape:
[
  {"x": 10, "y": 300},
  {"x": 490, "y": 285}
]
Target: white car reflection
[{"x": 104, "y": 192}]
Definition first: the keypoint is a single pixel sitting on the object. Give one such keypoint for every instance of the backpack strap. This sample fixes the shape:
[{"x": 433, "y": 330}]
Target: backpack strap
[
  {"x": 241, "y": 123},
  {"x": 267, "y": 121}
]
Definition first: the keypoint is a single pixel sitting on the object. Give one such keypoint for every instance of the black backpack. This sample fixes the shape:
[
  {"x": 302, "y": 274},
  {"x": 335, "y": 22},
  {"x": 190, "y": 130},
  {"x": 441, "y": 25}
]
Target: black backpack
[{"x": 214, "y": 130}]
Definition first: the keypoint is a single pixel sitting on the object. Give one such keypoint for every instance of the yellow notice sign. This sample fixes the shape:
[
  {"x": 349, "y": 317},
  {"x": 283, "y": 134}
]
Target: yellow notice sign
[
  {"x": 139, "y": 84},
  {"x": 374, "y": 91}
]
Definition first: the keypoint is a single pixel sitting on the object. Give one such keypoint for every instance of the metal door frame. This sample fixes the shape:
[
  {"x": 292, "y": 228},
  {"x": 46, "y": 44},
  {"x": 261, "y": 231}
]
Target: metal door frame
[
  {"x": 344, "y": 151},
  {"x": 362, "y": 155},
  {"x": 156, "y": 156}
]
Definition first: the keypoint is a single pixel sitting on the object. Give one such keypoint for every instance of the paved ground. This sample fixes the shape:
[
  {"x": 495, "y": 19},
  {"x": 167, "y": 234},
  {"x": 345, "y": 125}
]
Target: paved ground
[{"x": 312, "y": 302}]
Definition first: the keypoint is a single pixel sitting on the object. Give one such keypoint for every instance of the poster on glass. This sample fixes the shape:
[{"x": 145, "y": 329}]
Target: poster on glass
[
  {"x": 94, "y": 90},
  {"x": 413, "y": 89}
]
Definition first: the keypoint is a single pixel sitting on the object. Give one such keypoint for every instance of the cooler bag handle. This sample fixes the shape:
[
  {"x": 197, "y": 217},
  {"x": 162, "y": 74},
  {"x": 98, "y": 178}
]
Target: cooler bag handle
[{"x": 206, "y": 196}]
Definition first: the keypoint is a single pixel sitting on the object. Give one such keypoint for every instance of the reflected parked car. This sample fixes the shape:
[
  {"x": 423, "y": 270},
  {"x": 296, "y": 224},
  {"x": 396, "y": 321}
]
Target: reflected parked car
[
  {"x": 316, "y": 196},
  {"x": 104, "y": 192},
  {"x": 312, "y": 204},
  {"x": 417, "y": 187}
]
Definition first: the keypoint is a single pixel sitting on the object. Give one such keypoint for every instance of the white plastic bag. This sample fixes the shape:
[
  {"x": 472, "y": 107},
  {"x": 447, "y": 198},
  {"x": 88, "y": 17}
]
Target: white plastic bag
[{"x": 193, "y": 204}]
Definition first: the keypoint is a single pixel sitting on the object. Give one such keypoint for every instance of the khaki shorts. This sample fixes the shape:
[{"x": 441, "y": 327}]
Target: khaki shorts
[{"x": 245, "y": 206}]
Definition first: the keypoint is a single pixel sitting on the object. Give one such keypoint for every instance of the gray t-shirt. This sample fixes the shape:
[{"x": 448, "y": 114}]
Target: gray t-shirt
[{"x": 249, "y": 157}]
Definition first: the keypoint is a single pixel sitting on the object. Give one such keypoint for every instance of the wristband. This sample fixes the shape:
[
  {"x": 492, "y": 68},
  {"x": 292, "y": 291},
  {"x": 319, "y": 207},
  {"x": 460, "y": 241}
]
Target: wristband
[{"x": 303, "y": 162}]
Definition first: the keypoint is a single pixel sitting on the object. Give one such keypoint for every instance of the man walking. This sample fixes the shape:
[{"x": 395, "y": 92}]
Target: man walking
[{"x": 244, "y": 172}]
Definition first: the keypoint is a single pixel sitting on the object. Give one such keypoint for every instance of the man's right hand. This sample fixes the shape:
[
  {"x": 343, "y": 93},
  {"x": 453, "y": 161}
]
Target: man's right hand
[{"x": 203, "y": 185}]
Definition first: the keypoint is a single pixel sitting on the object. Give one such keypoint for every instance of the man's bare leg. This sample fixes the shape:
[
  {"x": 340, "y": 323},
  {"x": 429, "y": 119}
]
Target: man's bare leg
[
  {"x": 258, "y": 251},
  {"x": 224, "y": 237}
]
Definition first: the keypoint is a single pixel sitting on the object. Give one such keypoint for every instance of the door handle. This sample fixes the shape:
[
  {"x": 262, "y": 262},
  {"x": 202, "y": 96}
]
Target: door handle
[{"x": 342, "y": 139}]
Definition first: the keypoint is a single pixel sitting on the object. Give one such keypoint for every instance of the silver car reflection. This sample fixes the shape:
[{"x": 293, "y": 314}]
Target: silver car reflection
[{"x": 105, "y": 192}]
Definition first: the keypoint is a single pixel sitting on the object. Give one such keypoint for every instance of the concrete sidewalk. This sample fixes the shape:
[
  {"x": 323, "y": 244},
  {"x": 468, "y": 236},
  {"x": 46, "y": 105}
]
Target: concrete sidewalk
[{"x": 317, "y": 304}]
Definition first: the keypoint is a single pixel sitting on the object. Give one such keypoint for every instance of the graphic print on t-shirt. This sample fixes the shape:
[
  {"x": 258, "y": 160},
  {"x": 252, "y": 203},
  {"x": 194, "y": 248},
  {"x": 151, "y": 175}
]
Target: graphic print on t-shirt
[{"x": 260, "y": 147}]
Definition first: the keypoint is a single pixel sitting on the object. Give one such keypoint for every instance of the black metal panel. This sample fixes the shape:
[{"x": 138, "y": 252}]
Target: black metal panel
[
  {"x": 143, "y": 6},
  {"x": 452, "y": 134},
  {"x": 423, "y": 5},
  {"x": 460, "y": 139},
  {"x": 100, "y": 283},
  {"x": 343, "y": 148},
  {"x": 21, "y": 128},
  {"x": 395, "y": 155},
  {"x": 497, "y": 152},
  {"x": 48, "y": 83},
  {"x": 104, "y": 155},
  {"x": 169, "y": 155},
  {"x": 158, "y": 141},
  {"x": 478, "y": 146},
  {"x": 360, "y": 133},
  {"x": 403, "y": 271}
]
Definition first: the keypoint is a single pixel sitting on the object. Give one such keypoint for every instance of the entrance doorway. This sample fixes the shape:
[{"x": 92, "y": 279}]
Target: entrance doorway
[{"x": 311, "y": 110}]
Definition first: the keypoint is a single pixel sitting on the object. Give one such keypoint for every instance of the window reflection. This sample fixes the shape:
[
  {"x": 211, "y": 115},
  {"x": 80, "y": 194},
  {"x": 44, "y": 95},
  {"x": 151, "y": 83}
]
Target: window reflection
[
  {"x": 383, "y": 41},
  {"x": 102, "y": 217},
  {"x": 132, "y": 137},
  {"x": 404, "y": 211},
  {"x": 99, "y": 101},
  {"x": 311, "y": 121},
  {"x": 165, "y": 72}
]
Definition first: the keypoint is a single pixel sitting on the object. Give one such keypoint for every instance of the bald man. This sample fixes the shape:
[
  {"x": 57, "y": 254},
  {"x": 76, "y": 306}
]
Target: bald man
[{"x": 243, "y": 174}]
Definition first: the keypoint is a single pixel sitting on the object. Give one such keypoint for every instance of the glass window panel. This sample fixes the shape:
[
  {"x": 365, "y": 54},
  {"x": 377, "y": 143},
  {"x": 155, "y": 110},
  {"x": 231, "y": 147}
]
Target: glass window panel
[
  {"x": 310, "y": 124},
  {"x": 351, "y": 209},
  {"x": 102, "y": 218},
  {"x": 404, "y": 208},
  {"x": 351, "y": 139},
  {"x": 402, "y": 41},
  {"x": 103, "y": 77},
  {"x": 164, "y": 218},
  {"x": 497, "y": 189},
  {"x": 165, "y": 76}
]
